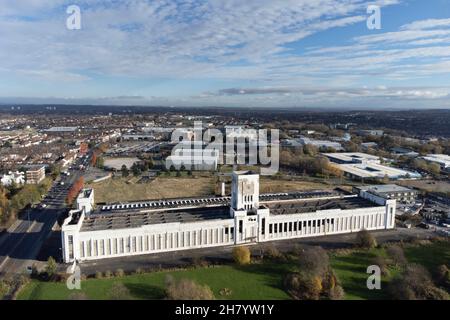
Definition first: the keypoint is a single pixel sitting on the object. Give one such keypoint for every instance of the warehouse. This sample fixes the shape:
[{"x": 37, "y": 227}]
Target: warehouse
[{"x": 120, "y": 230}]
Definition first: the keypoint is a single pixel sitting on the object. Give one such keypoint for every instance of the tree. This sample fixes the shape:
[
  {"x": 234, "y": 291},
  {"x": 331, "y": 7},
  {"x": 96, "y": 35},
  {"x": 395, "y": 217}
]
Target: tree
[
  {"x": 365, "y": 239},
  {"x": 397, "y": 255},
  {"x": 51, "y": 268},
  {"x": 314, "y": 260},
  {"x": 241, "y": 255},
  {"x": 303, "y": 286},
  {"x": 4, "y": 288},
  {"x": 415, "y": 284},
  {"x": 186, "y": 289},
  {"x": 119, "y": 292},
  {"x": 125, "y": 172}
]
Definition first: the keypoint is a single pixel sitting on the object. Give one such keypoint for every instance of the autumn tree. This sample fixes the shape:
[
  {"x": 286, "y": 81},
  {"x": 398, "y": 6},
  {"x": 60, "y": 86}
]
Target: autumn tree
[{"x": 364, "y": 239}]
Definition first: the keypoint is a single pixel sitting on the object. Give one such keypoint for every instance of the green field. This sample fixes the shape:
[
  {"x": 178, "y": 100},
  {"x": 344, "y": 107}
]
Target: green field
[{"x": 256, "y": 281}]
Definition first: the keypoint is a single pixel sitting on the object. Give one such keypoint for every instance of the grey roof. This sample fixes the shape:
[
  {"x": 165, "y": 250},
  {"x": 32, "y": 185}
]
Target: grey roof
[
  {"x": 386, "y": 188},
  {"x": 309, "y": 206},
  {"x": 137, "y": 219}
]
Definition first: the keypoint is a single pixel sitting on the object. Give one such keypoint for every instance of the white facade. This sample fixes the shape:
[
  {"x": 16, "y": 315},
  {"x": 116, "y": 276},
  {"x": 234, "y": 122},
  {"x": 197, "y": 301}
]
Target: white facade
[{"x": 249, "y": 220}]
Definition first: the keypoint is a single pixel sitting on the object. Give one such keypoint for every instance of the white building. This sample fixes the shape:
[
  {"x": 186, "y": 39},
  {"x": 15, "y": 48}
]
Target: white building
[
  {"x": 357, "y": 165},
  {"x": 194, "y": 159},
  {"x": 321, "y": 143},
  {"x": 442, "y": 159},
  {"x": 17, "y": 178},
  {"x": 160, "y": 226}
]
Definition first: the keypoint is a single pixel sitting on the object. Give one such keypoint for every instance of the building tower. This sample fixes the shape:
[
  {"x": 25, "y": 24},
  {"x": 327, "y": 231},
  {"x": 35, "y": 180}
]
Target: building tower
[
  {"x": 249, "y": 217},
  {"x": 245, "y": 191}
]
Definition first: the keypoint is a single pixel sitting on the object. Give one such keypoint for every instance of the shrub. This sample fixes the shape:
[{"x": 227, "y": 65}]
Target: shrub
[
  {"x": 303, "y": 286},
  {"x": 271, "y": 252},
  {"x": 241, "y": 255},
  {"x": 4, "y": 288},
  {"x": 199, "y": 262},
  {"x": 382, "y": 263},
  {"x": 314, "y": 260},
  {"x": 397, "y": 255},
  {"x": 98, "y": 275},
  {"x": 337, "y": 293},
  {"x": 119, "y": 273},
  {"x": 186, "y": 289},
  {"x": 108, "y": 274},
  {"x": 365, "y": 239},
  {"x": 139, "y": 271},
  {"x": 415, "y": 284},
  {"x": 119, "y": 292},
  {"x": 443, "y": 276},
  {"x": 78, "y": 296},
  {"x": 51, "y": 268}
]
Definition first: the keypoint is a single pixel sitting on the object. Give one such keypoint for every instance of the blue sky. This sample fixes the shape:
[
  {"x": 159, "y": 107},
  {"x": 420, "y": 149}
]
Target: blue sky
[{"x": 253, "y": 53}]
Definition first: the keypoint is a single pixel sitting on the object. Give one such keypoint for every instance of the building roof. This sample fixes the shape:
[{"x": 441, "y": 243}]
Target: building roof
[
  {"x": 314, "y": 205},
  {"x": 124, "y": 220},
  {"x": 351, "y": 156},
  {"x": 385, "y": 188},
  {"x": 134, "y": 215}
]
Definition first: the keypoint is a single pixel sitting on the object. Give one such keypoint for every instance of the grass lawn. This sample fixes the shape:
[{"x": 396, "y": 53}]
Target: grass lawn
[
  {"x": 257, "y": 281},
  {"x": 127, "y": 189}
]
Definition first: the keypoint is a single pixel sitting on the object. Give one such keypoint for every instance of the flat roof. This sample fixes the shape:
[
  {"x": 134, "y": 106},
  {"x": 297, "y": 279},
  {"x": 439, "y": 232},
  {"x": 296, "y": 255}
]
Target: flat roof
[
  {"x": 125, "y": 220},
  {"x": 386, "y": 188},
  {"x": 350, "y": 156},
  {"x": 310, "y": 206}
]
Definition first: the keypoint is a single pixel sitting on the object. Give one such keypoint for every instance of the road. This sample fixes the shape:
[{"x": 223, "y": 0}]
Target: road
[{"x": 20, "y": 245}]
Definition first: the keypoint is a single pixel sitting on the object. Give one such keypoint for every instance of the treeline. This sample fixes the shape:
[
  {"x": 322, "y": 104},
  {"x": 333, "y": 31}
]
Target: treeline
[
  {"x": 307, "y": 160},
  {"x": 14, "y": 199},
  {"x": 75, "y": 190}
]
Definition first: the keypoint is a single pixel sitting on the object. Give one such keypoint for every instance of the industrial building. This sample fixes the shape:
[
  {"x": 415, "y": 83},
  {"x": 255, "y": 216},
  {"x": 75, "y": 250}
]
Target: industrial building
[
  {"x": 390, "y": 191},
  {"x": 442, "y": 159},
  {"x": 120, "y": 230},
  {"x": 357, "y": 165}
]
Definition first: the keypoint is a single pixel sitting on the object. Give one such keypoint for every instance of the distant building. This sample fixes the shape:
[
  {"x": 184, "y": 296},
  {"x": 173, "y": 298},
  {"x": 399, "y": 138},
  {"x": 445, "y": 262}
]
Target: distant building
[
  {"x": 35, "y": 174},
  {"x": 10, "y": 178},
  {"x": 369, "y": 145},
  {"x": 377, "y": 133},
  {"x": 399, "y": 151},
  {"x": 194, "y": 159},
  {"x": 321, "y": 143},
  {"x": 390, "y": 191},
  {"x": 360, "y": 166},
  {"x": 442, "y": 159},
  {"x": 61, "y": 130}
]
